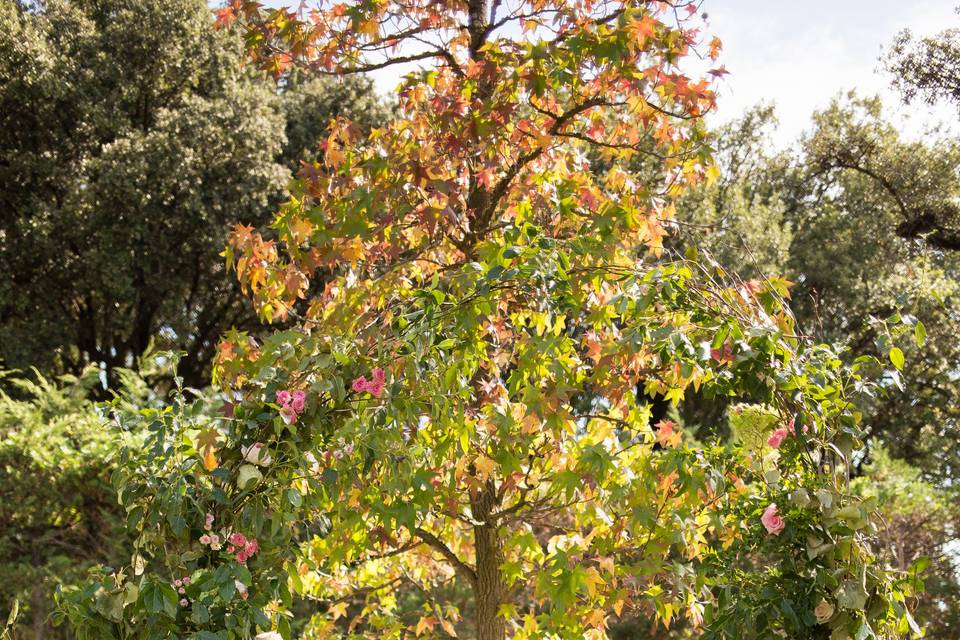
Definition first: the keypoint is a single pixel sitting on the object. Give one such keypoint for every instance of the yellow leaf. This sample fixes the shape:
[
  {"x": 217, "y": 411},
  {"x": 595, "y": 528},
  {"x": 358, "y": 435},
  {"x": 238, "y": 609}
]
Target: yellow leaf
[
  {"x": 448, "y": 627},
  {"x": 484, "y": 467},
  {"x": 338, "y": 610},
  {"x": 593, "y": 579}
]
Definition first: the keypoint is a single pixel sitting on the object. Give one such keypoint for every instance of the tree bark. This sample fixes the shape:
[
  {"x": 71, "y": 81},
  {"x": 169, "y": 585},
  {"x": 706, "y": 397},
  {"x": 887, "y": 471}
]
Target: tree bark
[
  {"x": 489, "y": 588},
  {"x": 38, "y": 611}
]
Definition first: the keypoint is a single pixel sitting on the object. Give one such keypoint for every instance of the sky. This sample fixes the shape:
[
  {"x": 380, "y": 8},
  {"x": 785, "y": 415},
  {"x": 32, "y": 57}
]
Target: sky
[{"x": 800, "y": 53}]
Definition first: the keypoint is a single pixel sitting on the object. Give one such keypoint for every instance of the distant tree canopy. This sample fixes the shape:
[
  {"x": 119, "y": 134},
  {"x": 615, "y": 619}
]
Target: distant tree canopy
[
  {"x": 927, "y": 68},
  {"x": 130, "y": 139}
]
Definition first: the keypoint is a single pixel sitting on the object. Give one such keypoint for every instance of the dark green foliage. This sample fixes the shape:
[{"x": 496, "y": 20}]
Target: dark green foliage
[{"x": 131, "y": 139}]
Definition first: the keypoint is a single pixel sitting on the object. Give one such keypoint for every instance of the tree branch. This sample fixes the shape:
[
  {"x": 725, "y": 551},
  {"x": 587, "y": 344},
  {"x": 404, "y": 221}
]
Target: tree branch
[{"x": 462, "y": 567}]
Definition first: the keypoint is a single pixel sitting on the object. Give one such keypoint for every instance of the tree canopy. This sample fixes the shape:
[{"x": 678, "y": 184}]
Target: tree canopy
[{"x": 464, "y": 405}]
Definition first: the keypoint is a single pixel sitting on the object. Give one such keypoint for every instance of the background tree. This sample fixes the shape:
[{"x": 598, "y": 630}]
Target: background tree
[
  {"x": 830, "y": 214},
  {"x": 920, "y": 530},
  {"x": 131, "y": 138}
]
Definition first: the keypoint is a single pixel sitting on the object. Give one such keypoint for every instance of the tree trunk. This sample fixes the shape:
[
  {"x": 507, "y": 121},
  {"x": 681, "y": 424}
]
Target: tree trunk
[
  {"x": 38, "y": 611},
  {"x": 489, "y": 588}
]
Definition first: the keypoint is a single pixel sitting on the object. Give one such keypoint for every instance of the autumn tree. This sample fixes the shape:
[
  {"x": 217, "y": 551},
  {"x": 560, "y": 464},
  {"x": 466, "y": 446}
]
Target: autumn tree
[{"x": 458, "y": 410}]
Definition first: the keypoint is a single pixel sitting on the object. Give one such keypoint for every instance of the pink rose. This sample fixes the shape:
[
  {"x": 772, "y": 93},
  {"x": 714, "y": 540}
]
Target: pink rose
[
  {"x": 251, "y": 547},
  {"x": 374, "y": 386},
  {"x": 288, "y": 414},
  {"x": 299, "y": 401},
  {"x": 238, "y": 539},
  {"x": 777, "y": 437},
  {"x": 204, "y": 539},
  {"x": 283, "y": 397},
  {"x": 772, "y": 520}
]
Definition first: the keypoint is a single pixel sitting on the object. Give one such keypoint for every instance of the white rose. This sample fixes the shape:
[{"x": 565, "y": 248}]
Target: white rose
[
  {"x": 823, "y": 611},
  {"x": 256, "y": 454}
]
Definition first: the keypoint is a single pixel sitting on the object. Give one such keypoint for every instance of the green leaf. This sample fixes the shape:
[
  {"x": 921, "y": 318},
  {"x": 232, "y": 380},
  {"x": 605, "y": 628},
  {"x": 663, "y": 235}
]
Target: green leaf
[
  {"x": 920, "y": 332},
  {"x": 896, "y": 357},
  {"x": 294, "y": 497},
  {"x": 851, "y": 595}
]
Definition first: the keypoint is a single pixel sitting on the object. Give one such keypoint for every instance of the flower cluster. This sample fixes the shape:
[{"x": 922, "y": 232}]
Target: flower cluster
[
  {"x": 242, "y": 546},
  {"x": 208, "y": 522},
  {"x": 180, "y": 585},
  {"x": 344, "y": 449},
  {"x": 374, "y": 386},
  {"x": 211, "y": 539},
  {"x": 291, "y": 404},
  {"x": 779, "y": 435}
]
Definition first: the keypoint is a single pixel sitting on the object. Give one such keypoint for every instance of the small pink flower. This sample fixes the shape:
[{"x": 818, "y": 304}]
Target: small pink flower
[
  {"x": 184, "y": 602},
  {"x": 204, "y": 539},
  {"x": 208, "y": 522},
  {"x": 238, "y": 539},
  {"x": 360, "y": 384},
  {"x": 241, "y": 557},
  {"x": 186, "y": 580},
  {"x": 181, "y": 591},
  {"x": 283, "y": 398},
  {"x": 178, "y": 583},
  {"x": 379, "y": 377},
  {"x": 231, "y": 549},
  {"x": 288, "y": 414},
  {"x": 251, "y": 547},
  {"x": 772, "y": 521},
  {"x": 777, "y": 437}
]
